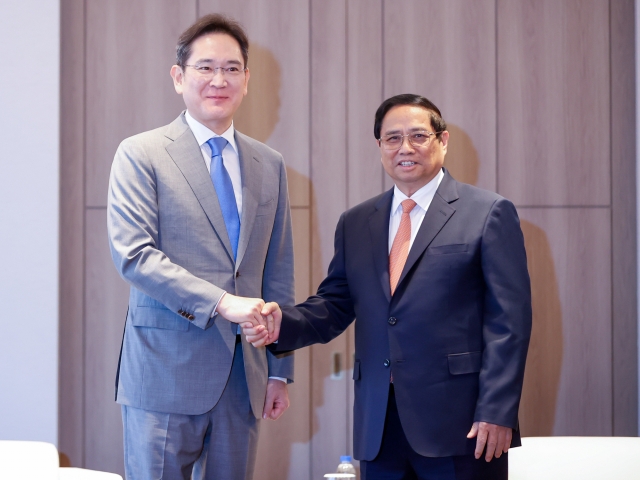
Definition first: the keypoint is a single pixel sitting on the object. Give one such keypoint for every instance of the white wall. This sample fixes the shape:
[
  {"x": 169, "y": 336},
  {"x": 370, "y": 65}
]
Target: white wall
[{"x": 29, "y": 169}]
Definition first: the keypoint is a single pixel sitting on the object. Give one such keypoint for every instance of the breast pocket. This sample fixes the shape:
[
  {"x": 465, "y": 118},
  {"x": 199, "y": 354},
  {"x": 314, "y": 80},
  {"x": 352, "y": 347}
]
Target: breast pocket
[
  {"x": 448, "y": 249},
  {"x": 266, "y": 208}
]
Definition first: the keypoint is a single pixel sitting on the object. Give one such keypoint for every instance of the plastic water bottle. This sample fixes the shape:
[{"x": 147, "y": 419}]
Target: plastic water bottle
[{"x": 345, "y": 465}]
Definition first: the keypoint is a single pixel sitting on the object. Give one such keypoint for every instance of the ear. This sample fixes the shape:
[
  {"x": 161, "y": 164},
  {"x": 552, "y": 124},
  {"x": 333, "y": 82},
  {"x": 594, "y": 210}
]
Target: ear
[
  {"x": 246, "y": 81},
  {"x": 178, "y": 77},
  {"x": 444, "y": 140}
]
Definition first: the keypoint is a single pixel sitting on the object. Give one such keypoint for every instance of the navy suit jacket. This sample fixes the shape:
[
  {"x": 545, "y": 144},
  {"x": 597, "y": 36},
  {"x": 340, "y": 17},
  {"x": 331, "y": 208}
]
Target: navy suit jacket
[{"x": 455, "y": 333}]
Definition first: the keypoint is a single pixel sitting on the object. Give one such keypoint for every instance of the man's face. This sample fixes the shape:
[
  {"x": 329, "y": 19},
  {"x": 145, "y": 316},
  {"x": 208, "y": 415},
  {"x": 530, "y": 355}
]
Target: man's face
[
  {"x": 212, "y": 101},
  {"x": 410, "y": 167}
]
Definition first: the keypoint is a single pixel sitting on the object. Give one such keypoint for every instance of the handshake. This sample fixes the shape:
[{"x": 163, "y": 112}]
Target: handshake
[{"x": 260, "y": 321}]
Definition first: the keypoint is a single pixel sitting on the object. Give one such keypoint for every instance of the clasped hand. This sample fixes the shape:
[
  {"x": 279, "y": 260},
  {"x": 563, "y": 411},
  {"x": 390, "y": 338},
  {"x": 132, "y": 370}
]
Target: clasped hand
[{"x": 260, "y": 321}]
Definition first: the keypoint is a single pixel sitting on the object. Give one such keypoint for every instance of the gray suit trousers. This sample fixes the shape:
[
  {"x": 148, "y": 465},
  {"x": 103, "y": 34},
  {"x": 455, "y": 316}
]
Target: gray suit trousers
[{"x": 220, "y": 443}]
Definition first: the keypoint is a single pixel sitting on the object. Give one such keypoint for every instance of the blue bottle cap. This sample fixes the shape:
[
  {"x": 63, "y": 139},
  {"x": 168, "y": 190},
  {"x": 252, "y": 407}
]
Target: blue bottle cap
[{"x": 345, "y": 459}]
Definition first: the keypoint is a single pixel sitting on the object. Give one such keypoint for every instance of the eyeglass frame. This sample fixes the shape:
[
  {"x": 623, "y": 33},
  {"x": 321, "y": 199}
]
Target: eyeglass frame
[
  {"x": 215, "y": 70},
  {"x": 428, "y": 133}
]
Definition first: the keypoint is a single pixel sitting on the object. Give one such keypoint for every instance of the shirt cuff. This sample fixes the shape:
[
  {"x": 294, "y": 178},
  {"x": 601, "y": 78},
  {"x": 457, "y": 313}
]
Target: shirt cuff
[
  {"x": 279, "y": 378},
  {"x": 215, "y": 308}
]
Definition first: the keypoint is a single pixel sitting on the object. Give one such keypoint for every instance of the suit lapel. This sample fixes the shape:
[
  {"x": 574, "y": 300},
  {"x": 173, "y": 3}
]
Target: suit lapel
[
  {"x": 437, "y": 216},
  {"x": 186, "y": 153},
  {"x": 379, "y": 230},
  {"x": 251, "y": 172}
]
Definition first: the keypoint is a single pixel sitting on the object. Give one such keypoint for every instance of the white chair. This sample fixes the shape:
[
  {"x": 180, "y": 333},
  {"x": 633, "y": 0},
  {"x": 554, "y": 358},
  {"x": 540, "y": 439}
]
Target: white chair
[
  {"x": 28, "y": 460},
  {"x": 579, "y": 458},
  {"x": 21, "y": 460},
  {"x": 69, "y": 473}
]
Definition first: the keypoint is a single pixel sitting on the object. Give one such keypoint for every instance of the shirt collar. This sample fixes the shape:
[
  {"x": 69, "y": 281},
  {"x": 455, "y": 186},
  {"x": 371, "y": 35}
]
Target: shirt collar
[
  {"x": 203, "y": 134},
  {"x": 422, "y": 197}
]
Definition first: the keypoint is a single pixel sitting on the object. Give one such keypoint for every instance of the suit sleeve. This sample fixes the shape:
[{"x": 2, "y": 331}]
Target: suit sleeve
[
  {"x": 132, "y": 221},
  {"x": 278, "y": 279},
  {"x": 507, "y": 316},
  {"x": 325, "y": 315}
]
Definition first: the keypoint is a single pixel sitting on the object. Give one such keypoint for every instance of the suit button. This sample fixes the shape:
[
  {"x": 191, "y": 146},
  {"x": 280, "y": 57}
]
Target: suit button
[
  {"x": 180, "y": 311},
  {"x": 190, "y": 317},
  {"x": 386, "y": 362},
  {"x": 392, "y": 320},
  {"x": 237, "y": 274}
]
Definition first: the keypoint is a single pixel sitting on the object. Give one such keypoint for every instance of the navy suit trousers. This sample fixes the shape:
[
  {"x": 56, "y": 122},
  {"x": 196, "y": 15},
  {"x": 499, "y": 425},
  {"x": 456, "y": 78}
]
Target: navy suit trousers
[{"x": 398, "y": 461}]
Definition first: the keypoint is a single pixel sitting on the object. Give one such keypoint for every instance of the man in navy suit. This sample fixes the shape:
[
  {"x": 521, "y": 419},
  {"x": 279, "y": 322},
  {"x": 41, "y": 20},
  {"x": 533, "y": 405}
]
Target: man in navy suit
[{"x": 435, "y": 272}]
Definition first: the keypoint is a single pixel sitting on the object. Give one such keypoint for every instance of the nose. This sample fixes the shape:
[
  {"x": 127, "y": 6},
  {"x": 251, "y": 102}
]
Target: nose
[
  {"x": 406, "y": 145},
  {"x": 218, "y": 79}
]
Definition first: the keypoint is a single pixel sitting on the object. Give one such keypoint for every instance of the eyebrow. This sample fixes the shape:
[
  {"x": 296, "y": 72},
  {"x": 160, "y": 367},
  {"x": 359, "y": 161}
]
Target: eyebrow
[
  {"x": 411, "y": 130},
  {"x": 209, "y": 60}
]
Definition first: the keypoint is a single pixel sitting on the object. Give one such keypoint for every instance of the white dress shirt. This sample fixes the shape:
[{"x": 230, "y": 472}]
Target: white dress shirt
[
  {"x": 422, "y": 197},
  {"x": 230, "y": 156}
]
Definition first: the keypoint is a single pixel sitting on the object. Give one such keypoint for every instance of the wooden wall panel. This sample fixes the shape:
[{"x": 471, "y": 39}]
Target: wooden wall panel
[
  {"x": 329, "y": 173},
  {"x": 106, "y": 298},
  {"x": 276, "y": 109},
  {"x": 553, "y": 102},
  {"x": 446, "y": 51},
  {"x": 623, "y": 222},
  {"x": 568, "y": 378},
  {"x": 365, "y": 175},
  {"x": 71, "y": 343},
  {"x": 283, "y": 447},
  {"x": 279, "y": 86},
  {"x": 130, "y": 48}
]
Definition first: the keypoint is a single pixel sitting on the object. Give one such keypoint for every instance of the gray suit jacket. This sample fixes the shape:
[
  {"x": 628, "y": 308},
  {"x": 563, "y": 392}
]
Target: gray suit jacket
[{"x": 169, "y": 242}]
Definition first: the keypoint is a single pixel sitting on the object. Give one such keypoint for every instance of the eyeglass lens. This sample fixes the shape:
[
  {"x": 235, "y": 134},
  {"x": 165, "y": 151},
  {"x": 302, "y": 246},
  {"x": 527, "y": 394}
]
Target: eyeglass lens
[{"x": 417, "y": 139}]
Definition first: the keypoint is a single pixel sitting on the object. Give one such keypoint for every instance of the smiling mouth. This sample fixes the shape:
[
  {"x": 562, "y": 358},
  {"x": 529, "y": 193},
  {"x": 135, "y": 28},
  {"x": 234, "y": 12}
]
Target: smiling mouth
[{"x": 407, "y": 164}]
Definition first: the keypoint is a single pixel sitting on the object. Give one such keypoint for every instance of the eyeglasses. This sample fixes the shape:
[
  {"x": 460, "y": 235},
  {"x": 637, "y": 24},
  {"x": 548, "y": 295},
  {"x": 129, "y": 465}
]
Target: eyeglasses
[
  {"x": 208, "y": 72},
  {"x": 417, "y": 139}
]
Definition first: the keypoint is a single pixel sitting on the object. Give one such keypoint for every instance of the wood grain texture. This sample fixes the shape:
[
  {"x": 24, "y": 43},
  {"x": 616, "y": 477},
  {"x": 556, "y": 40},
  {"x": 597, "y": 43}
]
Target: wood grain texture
[
  {"x": 328, "y": 126},
  {"x": 130, "y": 50},
  {"x": 283, "y": 446},
  {"x": 106, "y": 297},
  {"x": 553, "y": 102},
  {"x": 301, "y": 220},
  {"x": 276, "y": 109},
  {"x": 365, "y": 177},
  {"x": 568, "y": 384},
  {"x": 624, "y": 215},
  {"x": 71, "y": 337},
  {"x": 329, "y": 178},
  {"x": 446, "y": 52}
]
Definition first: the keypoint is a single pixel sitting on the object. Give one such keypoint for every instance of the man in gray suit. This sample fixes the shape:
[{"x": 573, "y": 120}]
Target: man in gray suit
[{"x": 198, "y": 218}]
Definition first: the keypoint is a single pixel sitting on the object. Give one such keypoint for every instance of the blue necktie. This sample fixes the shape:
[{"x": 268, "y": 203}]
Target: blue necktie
[{"x": 224, "y": 190}]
